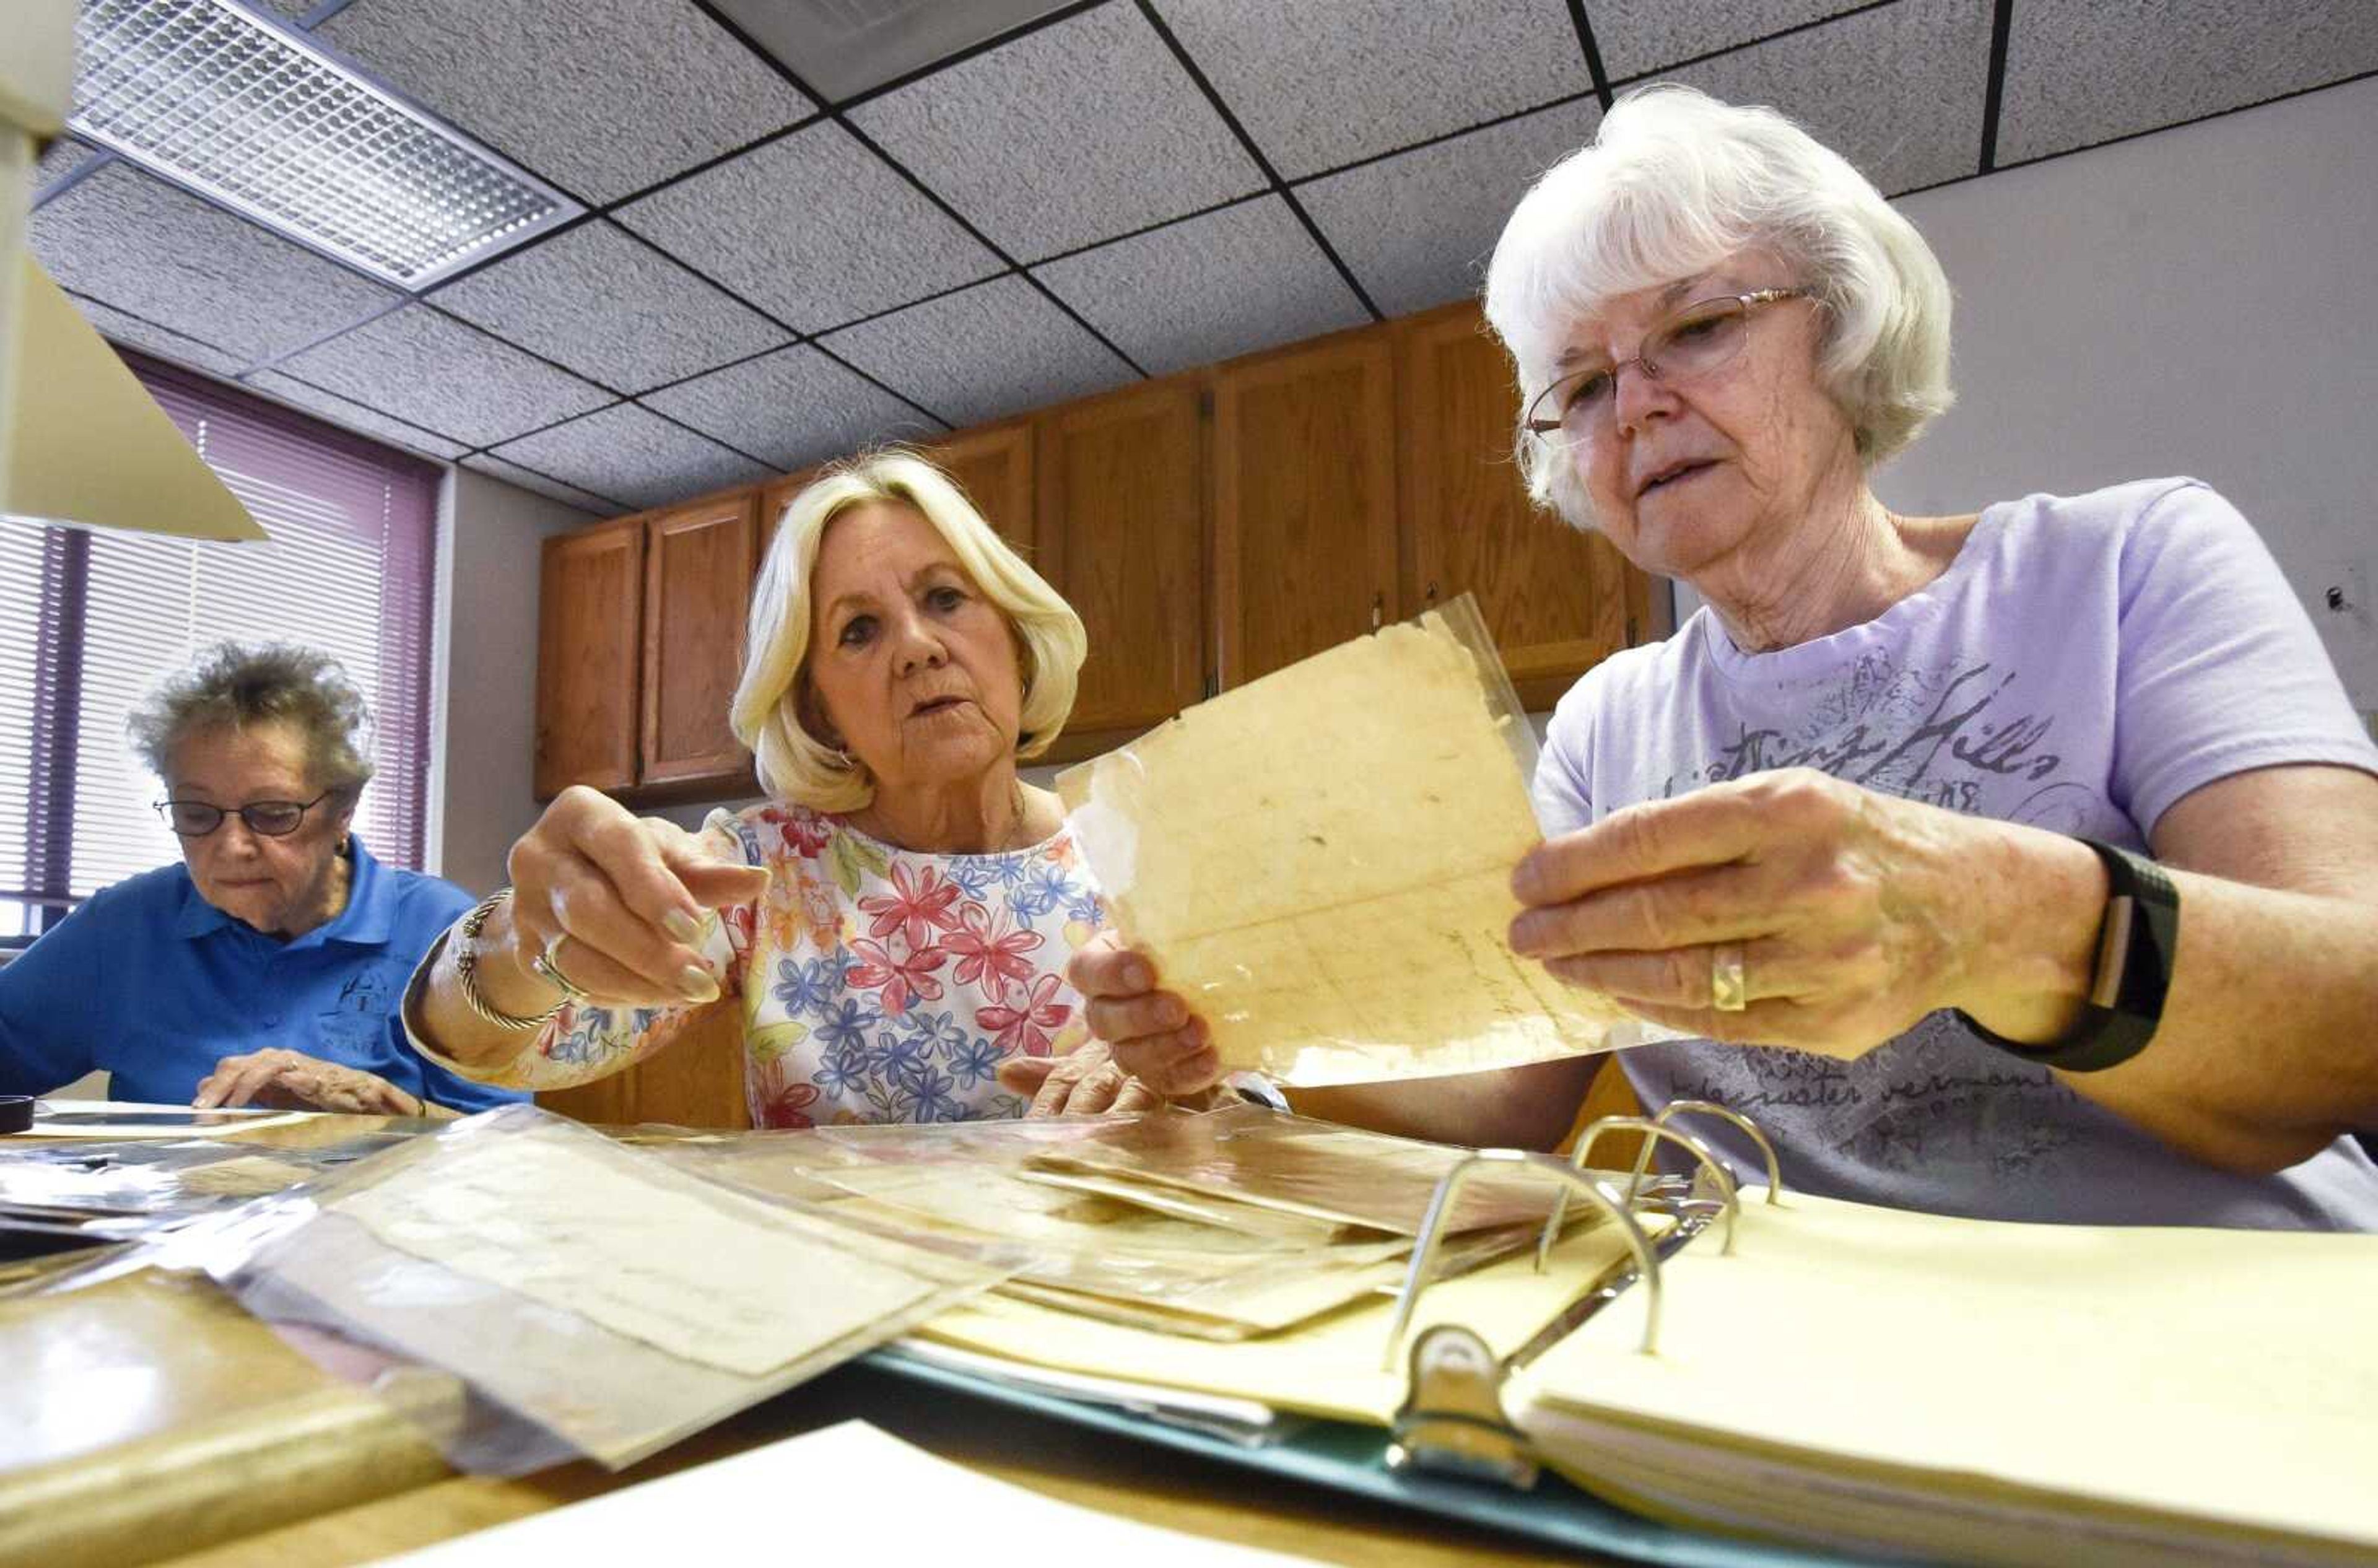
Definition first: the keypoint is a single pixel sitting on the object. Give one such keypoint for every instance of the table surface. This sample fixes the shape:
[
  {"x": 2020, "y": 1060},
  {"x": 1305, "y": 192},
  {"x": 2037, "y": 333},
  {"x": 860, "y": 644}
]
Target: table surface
[{"x": 169, "y": 1370}]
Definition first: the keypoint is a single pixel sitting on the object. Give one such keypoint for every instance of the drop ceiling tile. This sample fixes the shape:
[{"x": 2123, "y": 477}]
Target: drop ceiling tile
[
  {"x": 428, "y": 370},
  {"x": 1322, "y": 83},
  {"x": 814, "y": 229},
  {"x": 611, "y": 308},
  {"x": 793, "y": 408},
  {"x": 1207, "y": 288},
  {"x": 633, "y": 454},
  {"x": 991, "y": 350},
  {"x": 1637, "y": 37},
  {"x": 354, "y": 416},
  {"x": 2080, "y": 72},
  {"x": 1897, "y": 90},
  {"x": 151, "y": 250},
  {"x": 160, "y": 341},
  {"x": 844, "y": 50},
  {"x": 1071, "y": 135},
  {"x": 1417, "y": 228},
  {"x": 600, "y": 97},
  {"x": 552, "y": 489},
  {"x": 65, "y": 156}
]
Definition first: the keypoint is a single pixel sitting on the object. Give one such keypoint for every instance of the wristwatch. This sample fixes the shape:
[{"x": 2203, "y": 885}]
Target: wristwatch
[{"x": 2136, "y": 949}]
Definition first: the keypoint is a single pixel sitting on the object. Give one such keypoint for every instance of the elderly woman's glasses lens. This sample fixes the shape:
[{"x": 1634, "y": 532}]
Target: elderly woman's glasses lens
[
  {"x": 1694, "y": 342},
  {"x": 271, "y": 818}
]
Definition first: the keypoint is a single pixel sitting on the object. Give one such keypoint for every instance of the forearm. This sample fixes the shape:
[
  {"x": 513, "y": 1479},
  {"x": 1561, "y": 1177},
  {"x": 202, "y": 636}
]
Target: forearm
[
  {"x": 445, "y": 1020},
  {"x": 2268, "y": 1047},
  {"x": 1519, "y": 1107},
  {"x": 2266, "y": 1050}
]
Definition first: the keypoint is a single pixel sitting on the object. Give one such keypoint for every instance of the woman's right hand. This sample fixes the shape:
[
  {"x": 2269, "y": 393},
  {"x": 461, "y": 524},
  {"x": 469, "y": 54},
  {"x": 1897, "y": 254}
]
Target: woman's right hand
[
  {"x": 1155, "y": 1037},
  {"x": 625, "y": 897}
]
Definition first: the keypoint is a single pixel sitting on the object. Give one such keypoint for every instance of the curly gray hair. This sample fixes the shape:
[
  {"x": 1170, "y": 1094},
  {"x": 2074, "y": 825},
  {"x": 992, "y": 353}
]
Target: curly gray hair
[
  {"x": 1675, "y": 181},
  {"x": 235, "y": 684}
]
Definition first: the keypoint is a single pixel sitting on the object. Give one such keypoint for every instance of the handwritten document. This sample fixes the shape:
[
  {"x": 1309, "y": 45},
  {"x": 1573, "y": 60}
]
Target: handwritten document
[
  {"x": 1320, "y": 862},
  {"x": 706, "y": 1277}
]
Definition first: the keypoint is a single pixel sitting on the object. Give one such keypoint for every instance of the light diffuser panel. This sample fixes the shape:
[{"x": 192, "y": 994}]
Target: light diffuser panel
[{"x": 219, "y": 99}]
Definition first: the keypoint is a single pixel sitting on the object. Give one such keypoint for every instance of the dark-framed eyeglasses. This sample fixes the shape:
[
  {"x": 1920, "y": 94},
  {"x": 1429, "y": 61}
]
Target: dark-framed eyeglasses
[
  {"x": 1700, "y": 338},
  {"x": 269, "y": 819}
]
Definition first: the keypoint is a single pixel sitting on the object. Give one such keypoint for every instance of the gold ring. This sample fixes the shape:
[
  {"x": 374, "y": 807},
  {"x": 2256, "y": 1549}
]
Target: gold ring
[
  {"x": 545, "y": 966},
  {"x": 1729, "y": 986}
]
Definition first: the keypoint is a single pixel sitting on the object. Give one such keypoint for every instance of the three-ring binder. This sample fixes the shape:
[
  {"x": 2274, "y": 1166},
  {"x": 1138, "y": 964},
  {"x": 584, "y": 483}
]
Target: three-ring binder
[{"x": 1452, "y": 1419}]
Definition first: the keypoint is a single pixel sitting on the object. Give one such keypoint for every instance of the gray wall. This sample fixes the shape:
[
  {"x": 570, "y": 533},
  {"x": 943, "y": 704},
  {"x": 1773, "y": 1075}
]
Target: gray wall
[
  {"x": 488, "y": 571},
  {"x": 2198, "y": 301}
]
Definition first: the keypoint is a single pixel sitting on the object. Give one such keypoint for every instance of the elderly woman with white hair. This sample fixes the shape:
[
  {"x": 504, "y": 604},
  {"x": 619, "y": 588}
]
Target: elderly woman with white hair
[
  {"x": 2019, "y": 863},
  {"x": 895, "y": 919}
]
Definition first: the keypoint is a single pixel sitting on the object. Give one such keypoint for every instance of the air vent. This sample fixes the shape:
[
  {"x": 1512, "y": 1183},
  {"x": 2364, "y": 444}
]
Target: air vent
[{"x": 218, "y": 99}]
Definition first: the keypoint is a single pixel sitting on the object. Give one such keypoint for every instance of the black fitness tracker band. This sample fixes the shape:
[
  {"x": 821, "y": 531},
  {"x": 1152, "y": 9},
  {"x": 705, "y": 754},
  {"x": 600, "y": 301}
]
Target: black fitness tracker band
[{"x": 2135, "y": 948}]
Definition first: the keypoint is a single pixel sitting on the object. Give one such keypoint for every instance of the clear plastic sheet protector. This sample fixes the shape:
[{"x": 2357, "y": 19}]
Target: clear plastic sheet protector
[
  {"x": 596, "y": 1300},
  {"x": 1221, "y": 1224},
  {"x": 1319, "y": 862}
]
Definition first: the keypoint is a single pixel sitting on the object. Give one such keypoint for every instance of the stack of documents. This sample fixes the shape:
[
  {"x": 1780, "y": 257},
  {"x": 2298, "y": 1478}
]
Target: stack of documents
[{"x": 1225, "y": 1226}]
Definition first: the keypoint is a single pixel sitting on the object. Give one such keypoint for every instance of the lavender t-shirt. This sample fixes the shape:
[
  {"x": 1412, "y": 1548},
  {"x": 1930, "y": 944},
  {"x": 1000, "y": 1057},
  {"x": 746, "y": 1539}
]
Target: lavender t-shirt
[{"x": 2083, "y": 663}]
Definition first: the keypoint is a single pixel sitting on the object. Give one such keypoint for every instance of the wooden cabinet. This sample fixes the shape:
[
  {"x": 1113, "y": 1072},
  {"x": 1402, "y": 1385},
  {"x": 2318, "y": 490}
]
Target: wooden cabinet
[
  {"x": 1305, "y": 501},
  {"x": 588, "y": 644},
  {"x": 1557, "y": 600},
  {"x": 993, "y": 466},
  {"x": 1209, "y": 528},
  {"x": 1123, "y": 535},
  {"x": 698, "y": 566}
]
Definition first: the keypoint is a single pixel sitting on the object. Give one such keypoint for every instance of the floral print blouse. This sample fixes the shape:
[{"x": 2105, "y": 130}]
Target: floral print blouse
[{"x": 876, "y": 984}]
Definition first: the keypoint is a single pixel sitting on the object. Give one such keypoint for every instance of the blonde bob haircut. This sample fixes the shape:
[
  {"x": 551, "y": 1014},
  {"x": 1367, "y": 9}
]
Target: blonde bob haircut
[
  {"x": 1676, "y": 183},
  {"x": 793, "y": 763}
]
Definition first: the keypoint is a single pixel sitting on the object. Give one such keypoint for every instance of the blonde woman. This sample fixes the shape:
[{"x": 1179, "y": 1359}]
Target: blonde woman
[{"x": 895, "y": 921}]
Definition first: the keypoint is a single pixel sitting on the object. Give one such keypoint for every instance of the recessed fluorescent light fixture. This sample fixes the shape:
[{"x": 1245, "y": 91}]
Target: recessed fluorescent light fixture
[{"x": 214, "y": 97}]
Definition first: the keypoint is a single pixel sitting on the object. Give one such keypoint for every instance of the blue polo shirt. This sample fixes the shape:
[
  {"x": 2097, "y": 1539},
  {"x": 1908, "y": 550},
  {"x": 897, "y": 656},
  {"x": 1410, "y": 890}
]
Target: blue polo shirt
[{"x": 150, "y": 981}]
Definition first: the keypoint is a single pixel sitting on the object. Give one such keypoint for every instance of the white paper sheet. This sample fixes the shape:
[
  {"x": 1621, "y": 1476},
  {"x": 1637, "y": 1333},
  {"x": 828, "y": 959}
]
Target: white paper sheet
[{"x": 845, "y": 1493}]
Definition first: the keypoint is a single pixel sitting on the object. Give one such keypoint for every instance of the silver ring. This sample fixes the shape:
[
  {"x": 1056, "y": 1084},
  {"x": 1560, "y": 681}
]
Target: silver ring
[
  {"x": 1729, "y": 986},
  {"x": 551, "y": 973}
]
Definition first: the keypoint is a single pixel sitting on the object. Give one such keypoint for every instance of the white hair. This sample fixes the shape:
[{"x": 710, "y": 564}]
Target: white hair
[
  {"x": 793, "y": 763},
  {"x": 1676, "y": 183}
]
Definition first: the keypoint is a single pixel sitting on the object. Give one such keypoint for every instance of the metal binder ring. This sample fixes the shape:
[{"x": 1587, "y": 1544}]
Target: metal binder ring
[
  {"x": 1440, "y": 1210},
  {"x": 1729, "y": 981},
  {"x": 1650, "y": 1129},
  {"x": 1709, "y": 1107}
]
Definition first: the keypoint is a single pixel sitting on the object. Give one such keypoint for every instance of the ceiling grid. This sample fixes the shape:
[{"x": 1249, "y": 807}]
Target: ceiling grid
[{"x": 767, "y": 274}]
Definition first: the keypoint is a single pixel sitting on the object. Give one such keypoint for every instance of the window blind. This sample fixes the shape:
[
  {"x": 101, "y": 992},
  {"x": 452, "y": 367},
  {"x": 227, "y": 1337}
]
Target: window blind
[{"x": 88, "y": 621}]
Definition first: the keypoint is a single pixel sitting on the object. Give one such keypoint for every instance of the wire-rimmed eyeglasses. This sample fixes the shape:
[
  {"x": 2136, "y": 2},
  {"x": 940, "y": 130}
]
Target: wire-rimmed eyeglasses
[
  {"x": 1697, "y": 338},
  {"x": 267, "y": 819}
]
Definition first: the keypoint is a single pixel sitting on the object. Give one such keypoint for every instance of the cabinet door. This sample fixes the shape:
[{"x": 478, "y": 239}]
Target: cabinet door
[
  {"x": 993, "y": 466},
  {"x": 774, "y": 497},
  {"x": 1304, "y": 504},
  {"x": 698, "y": 565},
  {"x": 1557, "y": 600},
  {"x": 588, "y": 631},
  {"x": 696, "y": 1082},
  {"x": 1123, "y": 535}
]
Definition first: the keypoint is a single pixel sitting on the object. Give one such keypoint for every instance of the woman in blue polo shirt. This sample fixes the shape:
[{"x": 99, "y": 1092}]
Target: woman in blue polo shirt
[{"x": 265, "y": 968}]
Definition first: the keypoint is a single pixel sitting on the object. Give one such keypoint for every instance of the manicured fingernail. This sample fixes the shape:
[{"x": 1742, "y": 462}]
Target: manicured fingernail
[
  {"x": 1523, "y": 937},
  {"x": 1136, "y": 975},
  {"x": 1523, "y": 882},
  {"x": 1172, "y": 1014},
  {"x": 681, "y": 927},
  {"x": 696, "y": 984}
]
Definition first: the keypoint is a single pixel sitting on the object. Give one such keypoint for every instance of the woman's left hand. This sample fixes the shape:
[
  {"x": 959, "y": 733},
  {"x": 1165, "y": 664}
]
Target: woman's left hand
[
  {"x": 293, "y": 1080},
  {"x": 1855, "y": 913},
  {"x": 1087, "y": 1080}
]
